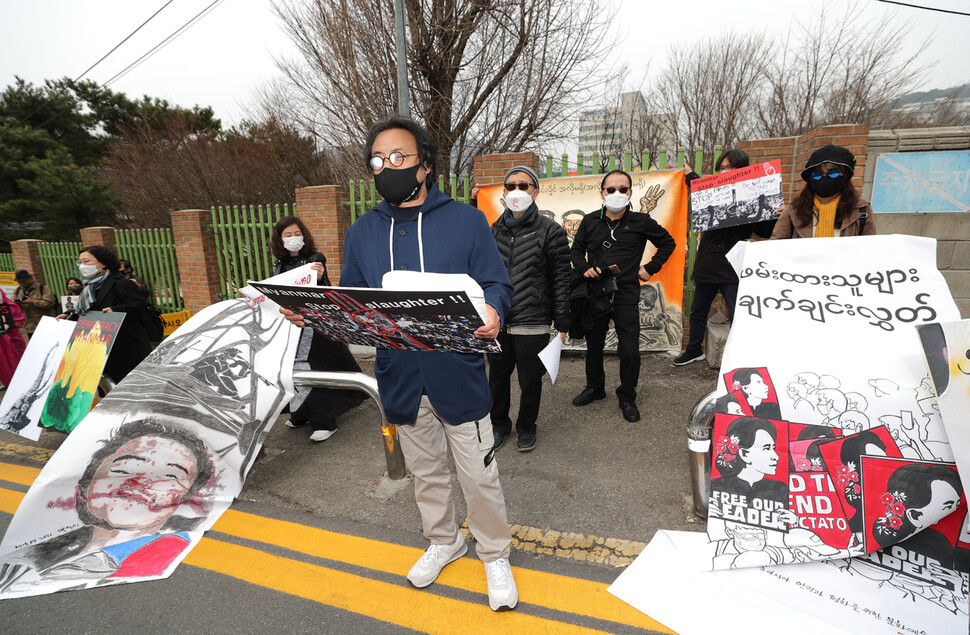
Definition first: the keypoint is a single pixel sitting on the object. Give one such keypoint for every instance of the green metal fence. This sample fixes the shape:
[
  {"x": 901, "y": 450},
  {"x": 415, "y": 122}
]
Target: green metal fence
[
  {"x": 59, "y": 262},
  {"x": 6, "y": 262},
  {"x": 243, "y": 248},
  {"x": 151, "y": 253},
  {"x": 363, "y": 194}
]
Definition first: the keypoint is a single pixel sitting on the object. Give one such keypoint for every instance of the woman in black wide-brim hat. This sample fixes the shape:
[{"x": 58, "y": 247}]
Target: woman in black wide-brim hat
[{"x": 828, "y": 205}]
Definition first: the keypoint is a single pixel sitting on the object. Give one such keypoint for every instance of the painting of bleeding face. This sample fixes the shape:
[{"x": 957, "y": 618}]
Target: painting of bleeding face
[{"x": 141, "y": 484}]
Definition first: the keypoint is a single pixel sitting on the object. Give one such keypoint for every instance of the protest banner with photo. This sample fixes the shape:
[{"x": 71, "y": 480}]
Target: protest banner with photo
[
  {"x": 27, "y": 393},
  {"x": 919, "y": 508},
  {"x": 69, "y": 303},
  {"x": 442, "y": 321},
  {"x": 736, "y": 197},
  {"x": 835, "y": 325},
  {"x": 663, "y": 195},
  {"x": 155, "y": 464},
  {"x": 79, "y": 373}
]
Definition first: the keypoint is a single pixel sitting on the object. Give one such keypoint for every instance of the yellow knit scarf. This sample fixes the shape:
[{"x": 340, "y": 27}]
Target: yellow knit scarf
[{"x": 825, "y": 228}]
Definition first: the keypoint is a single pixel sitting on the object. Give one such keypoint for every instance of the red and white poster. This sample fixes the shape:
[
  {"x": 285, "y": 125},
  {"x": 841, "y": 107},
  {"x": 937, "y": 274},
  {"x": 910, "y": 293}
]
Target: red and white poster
[{"x": 736, "y": 197}]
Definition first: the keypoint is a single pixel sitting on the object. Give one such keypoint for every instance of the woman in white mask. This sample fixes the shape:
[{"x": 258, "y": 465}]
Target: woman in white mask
[
  {"x": 105, "y": 291},
  {"x": 293, "y": 247}
]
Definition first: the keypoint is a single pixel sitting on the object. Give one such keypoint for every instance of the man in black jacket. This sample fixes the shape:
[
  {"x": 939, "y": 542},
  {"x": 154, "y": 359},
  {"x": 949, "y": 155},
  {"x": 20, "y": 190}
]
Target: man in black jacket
[
  {"x": 609, "y": 244},
  {"x": 536, "y": 252}
]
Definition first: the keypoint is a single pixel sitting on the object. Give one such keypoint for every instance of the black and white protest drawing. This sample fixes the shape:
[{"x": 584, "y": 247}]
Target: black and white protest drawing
[{"x": 156, "y": 463}]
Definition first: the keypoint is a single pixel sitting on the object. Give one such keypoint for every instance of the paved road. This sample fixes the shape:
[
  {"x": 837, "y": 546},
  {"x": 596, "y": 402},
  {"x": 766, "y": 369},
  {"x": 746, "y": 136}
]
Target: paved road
[{"x": 320, "y": 539}]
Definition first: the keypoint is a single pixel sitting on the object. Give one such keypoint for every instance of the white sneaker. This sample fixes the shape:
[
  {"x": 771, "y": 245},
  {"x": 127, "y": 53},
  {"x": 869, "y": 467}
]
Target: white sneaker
[
  {"x": 321, "y": 435},
  {"x": 426, "y": 570},
  {"x": 502, "y": 594}
]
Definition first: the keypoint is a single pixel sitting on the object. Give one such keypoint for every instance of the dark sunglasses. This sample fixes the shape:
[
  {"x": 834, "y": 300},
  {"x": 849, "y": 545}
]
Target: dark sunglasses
[
  {"x": 510, "y": 187},
  {"x": 622, "y": 189},
  {"x": 818, "y": 174}
]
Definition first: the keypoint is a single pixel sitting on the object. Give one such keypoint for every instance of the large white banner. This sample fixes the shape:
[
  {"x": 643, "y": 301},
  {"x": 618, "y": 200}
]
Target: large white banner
[{"x": 828, "y": 443}]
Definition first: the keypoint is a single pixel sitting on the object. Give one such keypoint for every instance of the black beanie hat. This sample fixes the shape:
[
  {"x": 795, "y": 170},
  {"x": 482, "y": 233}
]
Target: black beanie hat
[{"x": 829, "y": 154}]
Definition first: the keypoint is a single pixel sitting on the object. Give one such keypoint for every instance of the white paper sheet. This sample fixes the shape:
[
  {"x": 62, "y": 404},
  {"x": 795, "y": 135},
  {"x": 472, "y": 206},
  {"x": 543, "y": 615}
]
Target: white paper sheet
[
  {"x": 549, "y": 356},
  {"x": 833, "y": 597}
]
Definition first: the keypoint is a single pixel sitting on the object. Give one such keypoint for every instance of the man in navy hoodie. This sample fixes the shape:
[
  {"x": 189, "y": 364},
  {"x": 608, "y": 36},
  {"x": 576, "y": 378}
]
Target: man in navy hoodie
[{"x": 436, "y": 398}]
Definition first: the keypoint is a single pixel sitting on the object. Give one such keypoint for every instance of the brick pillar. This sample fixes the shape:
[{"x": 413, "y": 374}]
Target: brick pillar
[
  {"x": 98, "y": 236},
  {"x": 322, "y": 211},
  {"x": 195, "y": 249},
  {"x": 491, "y": 168},
  {"x": 26, "y": 256}
]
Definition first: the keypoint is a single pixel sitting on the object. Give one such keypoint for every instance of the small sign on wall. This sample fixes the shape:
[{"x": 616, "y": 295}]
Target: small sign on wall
[{"x": 922, "y": 182}]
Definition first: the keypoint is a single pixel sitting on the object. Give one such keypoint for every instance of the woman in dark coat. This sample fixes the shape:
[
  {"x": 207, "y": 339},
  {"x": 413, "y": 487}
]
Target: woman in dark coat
[
  {"x": 293, "y": 247},
  {"x": 105, "y": 291}
]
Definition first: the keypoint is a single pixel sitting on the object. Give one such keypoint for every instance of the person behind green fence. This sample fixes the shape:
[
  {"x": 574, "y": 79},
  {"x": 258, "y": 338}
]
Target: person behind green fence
[
  {"x": 126, "y": 270},
  {"x": 35, "y": 299},
  {"x": 293, "y": 247},
  {"x": 106, "y": 290}
]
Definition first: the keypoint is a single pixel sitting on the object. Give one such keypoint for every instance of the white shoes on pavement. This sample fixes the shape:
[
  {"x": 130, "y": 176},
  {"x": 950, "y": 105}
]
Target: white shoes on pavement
[
  {"x": 321, "y": 435},
  {"x": 502, "y": 593},
  {"x": 434, "y": 560}
]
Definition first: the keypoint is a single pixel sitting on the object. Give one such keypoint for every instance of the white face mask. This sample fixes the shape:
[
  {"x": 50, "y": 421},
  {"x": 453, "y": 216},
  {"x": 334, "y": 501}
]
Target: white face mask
[
  {"x": 88, "y": 271},
  {"x": 518, "y": 201},
  {"x": 616, "y": 202},
  {"x": 293, "y": 243}
]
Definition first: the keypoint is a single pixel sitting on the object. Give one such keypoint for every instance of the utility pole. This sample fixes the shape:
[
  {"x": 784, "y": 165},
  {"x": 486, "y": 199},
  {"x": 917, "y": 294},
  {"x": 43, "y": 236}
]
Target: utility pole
[{"x": 403, "y": 98}]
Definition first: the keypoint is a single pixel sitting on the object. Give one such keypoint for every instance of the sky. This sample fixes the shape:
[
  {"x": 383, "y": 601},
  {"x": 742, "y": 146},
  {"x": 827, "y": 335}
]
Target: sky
[{"x": 229, "y": 54}]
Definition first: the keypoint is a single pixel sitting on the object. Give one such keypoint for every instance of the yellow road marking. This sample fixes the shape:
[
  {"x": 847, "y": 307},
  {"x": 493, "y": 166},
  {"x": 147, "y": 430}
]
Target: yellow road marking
[
  {"x": 560, "y": 593},
  {"x": 399, "y": 605},
  {"x": 20, "y": 451},
  {"x": 557, "y": 592},
  {"x": 18, "y": 474}
]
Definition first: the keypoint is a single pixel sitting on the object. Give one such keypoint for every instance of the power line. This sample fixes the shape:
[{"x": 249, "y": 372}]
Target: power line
[
  {"x": 919, "y": 6},
  {"x": 168, "y": 40},
  {"x": 198, "y": 16},
  {"x": 103, "y": 57}
]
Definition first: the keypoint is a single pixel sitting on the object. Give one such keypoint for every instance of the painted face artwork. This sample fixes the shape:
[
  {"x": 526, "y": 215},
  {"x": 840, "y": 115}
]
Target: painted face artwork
[
  {"x": 734, "y": 408},
  {"x": 756, "y": 388},
  {"x": 572, "y": 226},
  {"x": 142, "y": 483},
  {"x": 945, "y": 499},
  {"x": 761, "y": 456}
]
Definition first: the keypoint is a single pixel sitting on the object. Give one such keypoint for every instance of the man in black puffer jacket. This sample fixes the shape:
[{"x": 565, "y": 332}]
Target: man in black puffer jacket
[{"x": 536, "y": 252}]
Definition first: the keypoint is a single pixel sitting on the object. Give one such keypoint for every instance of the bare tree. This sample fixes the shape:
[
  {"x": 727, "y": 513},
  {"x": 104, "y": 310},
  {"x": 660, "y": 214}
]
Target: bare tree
[
  {"x": 842, "y": 69},
  {"x": 157, "y": 168},
  {"x": 710, "y": 89},
  {"x": 485, "y": 75}
]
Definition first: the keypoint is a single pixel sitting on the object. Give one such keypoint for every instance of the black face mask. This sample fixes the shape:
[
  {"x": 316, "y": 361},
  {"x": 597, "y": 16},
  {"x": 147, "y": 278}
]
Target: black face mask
[
  {"x": 398, "y": 186},
  {"x": 826, "y": 187},
  {"x": 75, "y": 289}
]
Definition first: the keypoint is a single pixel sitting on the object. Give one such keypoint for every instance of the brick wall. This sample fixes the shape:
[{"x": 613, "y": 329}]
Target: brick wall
[
  {"x": 491, "y": 168},
  {"x": 98, "y": 236},
  {"x": 321, "y": 209},
  {"x": 194, "y": 246},
  {"x": 26, "y": 256}
]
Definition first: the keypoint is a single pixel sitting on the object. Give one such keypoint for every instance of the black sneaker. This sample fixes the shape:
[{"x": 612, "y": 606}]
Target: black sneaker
[
  {"x": 499, "y": 437},
  {"x": 588, "y": 396},
  {"x": 688, "y": 357},
  {"x": 526, "y": 442}
]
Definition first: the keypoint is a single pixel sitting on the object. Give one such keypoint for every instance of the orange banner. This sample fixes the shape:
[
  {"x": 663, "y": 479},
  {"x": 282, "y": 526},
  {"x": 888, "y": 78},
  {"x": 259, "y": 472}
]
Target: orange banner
[{"x": 663, "y": 195}]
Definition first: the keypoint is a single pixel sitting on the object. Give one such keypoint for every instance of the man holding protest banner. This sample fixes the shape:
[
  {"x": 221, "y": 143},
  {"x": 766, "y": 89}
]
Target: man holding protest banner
[
  {"x": 607, "y": 251},
  {"x": 436, "y": 398},
  {"x": 539, "y": 267}
]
